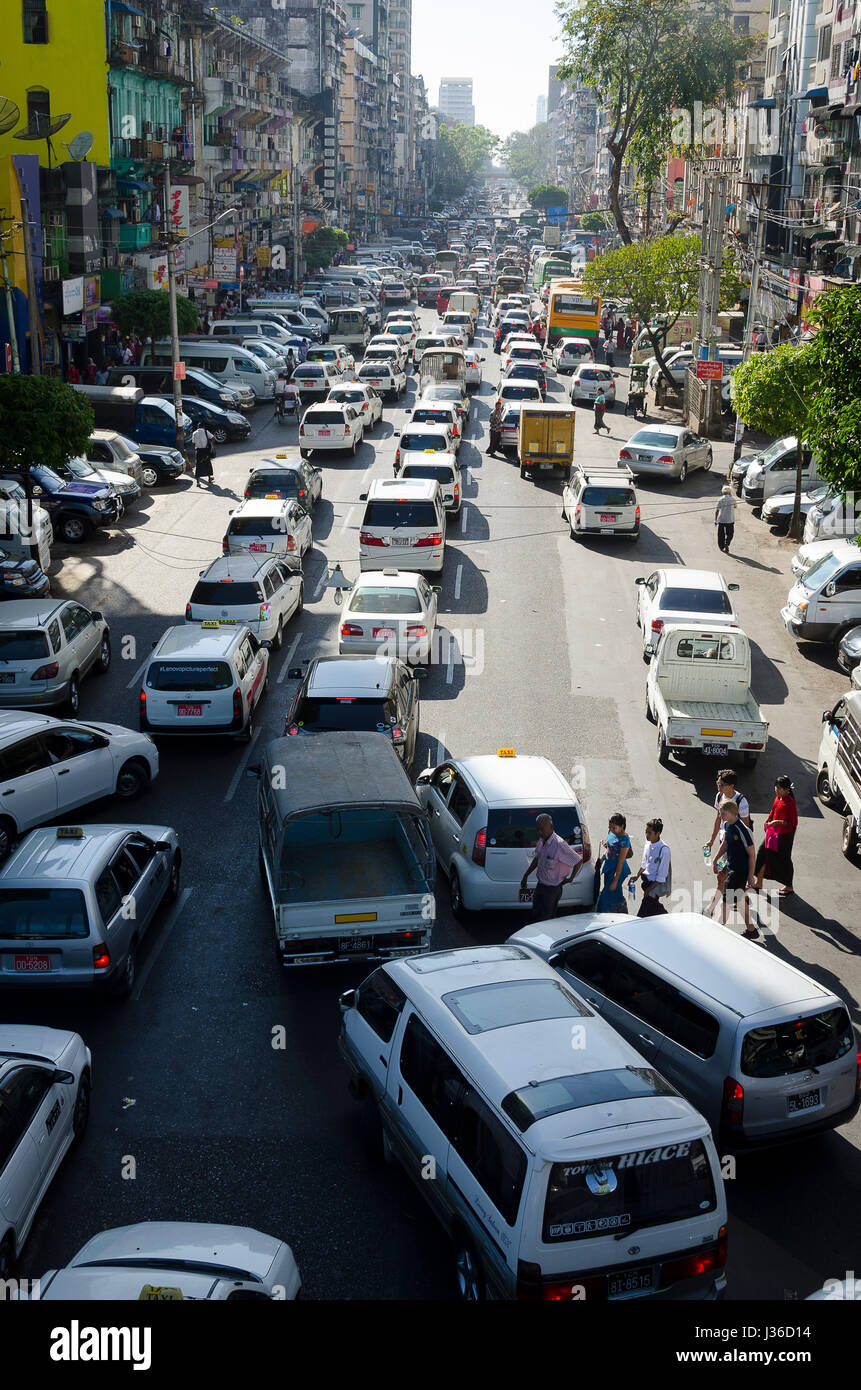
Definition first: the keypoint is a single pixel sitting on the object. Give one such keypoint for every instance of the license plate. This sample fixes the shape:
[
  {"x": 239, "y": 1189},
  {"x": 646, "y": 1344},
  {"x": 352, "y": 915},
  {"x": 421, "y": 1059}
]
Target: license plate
[
  {"x": 715, "y": 750},
  {"x": 646, "y": 458},
  {"x": 25, "y": 964},
  {"x": 805, "y": 1100},
  {"x": 324, "y": 434},
  {"x": 607, "y": 531},
  {"x": 610, "y": 517},
  {"x": 400, "y": 540},
  {"x": 256, "y": 546},
  {"x": 630, "y": 1281},
  {"x": 354, "y": 945},
  {"x": 525, "y": 895},
  {"x": 546, "y": 465},
  {"x": 384, "y": 632},
  {"x": 7, "y": 678},
  {"x": 189, "y": 711}
]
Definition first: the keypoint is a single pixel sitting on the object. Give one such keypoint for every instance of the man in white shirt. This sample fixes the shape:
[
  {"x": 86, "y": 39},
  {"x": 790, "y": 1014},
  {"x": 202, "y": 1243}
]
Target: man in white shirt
[
  {"x": 202, "y": 454},
  {"x": 654, "y": 870},
  {"x": 726, "y": 791},
  {"x": 725, "y": 518}
]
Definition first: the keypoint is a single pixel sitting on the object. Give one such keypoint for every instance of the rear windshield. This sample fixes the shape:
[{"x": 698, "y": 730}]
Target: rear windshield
[
  {"x": 428, "y": 415},
  {"x": 608, "y": 497},
  {"x": 22, "y": 646},
  {"x": 378, "y": 600},
  {"x": 696, "y": 601},
  {"x": 526, "y": 354},
  {"x": 40, "y": 914},
  {"x": 325, "y": 417},
  {"x": 323, "y": 355},
  {"x": 520, "y": 393},
  {"x": 189, "y": 675},
  {"x": 436, "y": 443},
  {"x": 393, "y": 514},
  {"x": 317, "y": 716},
  {"x": 654, "y": 440},
  {"x": 780, "y": 1049},
  {"x": 226, "y": 594},
  {"x": 441, "y": 472},
  {"x": 315, "y": 369},
  {"x": 255, "y": 525},
  {"x": 625, "y": 1192},
  {"x": 515, "y": 827},
  {"x": 399, "y": 328},
  {"x": 273, "y": 485}
]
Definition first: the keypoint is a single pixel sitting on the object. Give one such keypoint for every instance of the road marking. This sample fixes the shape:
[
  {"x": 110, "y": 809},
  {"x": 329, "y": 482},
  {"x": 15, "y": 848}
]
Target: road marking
[
  {"x": 293, "y": 645},
  {"x": 440, "y": 748},
  {"x": 449, "y": 670},
  {"x": 240, "y": 771},
  {"x": 161, "y": 941},
  {"x": 345, "y": 523},
  {"x": 463, "y": 521},
  {"x": 135, "y": 680},
  {"x": 458, "y": 578},
  {"x": 322, "y": 582}
]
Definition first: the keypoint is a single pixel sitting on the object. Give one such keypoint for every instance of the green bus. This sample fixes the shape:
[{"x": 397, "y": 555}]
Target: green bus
[{"x": 549, "y": 265}]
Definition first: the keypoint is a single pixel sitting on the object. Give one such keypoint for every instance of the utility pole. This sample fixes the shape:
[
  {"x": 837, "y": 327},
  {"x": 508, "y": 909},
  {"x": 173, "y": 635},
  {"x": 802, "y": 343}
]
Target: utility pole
[
  {"x": 703, "y": 298},
  {"x": 294, "y": 151},
  {"x": 10, "y": 313},
  {"x": 174, "y": 324},
  {"x": 751, "y": 303}
]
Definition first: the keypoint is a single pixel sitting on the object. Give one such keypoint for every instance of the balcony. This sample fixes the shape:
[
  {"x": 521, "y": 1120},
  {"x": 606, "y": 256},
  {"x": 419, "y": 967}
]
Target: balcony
[{"x": 154, "y": 60}]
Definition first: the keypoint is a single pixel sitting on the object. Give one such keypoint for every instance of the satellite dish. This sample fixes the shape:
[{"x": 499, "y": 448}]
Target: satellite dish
[
  {"x": 9, "y": 113},
  {"x": 42, "y": 127},
  {"x": 80, "y": 145}
]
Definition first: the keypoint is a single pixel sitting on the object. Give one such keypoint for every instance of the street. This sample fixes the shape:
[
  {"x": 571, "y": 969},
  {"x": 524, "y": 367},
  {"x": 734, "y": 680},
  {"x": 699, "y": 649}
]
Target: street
[{"x": 218, "y": 1091}]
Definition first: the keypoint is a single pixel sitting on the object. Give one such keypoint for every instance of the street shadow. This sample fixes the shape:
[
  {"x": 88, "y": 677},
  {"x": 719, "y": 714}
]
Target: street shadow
[
  {"x": 757, "y": 782},
  {"x": 766, "y": 678},
  {"x": 472, "y": 591},
  {"x": 831, "y": 933},
  {"x": 820, "y": 654},
  {"x": 322, "y": 520}
]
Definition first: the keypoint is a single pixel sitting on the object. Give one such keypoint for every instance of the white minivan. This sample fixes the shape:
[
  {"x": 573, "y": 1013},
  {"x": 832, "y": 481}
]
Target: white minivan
[
  {"x": 228, "y": 362},
  {"x": 403, "y": 526},
  {"x": 561, "y": 1163},
  {"x": 825, "y": 602},
  {"x": 204, "y": 679}
]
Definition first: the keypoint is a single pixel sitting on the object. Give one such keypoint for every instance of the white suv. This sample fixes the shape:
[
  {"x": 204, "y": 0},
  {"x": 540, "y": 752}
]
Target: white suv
[
  {"x": 482, "y": 814},
  {"x": 601, "y": 502},
  {"x": 387, "y": 377}
]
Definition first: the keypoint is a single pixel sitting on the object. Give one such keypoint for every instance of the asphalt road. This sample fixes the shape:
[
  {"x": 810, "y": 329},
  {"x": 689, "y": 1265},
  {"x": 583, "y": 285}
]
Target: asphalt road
[{"x": 220, "y": 1078}]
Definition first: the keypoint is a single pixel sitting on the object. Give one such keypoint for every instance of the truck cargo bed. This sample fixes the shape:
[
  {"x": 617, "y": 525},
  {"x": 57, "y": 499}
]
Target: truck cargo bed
[
  {"x": 351, "y": 871},
  {"x": 713, "y": 711}
]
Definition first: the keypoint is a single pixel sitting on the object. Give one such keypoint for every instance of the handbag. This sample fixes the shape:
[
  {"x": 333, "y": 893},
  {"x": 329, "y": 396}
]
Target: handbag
[{"x": 772, "y": 838}]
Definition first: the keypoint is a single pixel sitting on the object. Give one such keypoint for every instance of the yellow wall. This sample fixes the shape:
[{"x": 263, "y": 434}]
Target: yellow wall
[{"x": 73, "y": 67}]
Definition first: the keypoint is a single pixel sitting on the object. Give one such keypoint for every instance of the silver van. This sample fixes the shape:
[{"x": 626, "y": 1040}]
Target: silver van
[
  {"x": 838, "y": 767},
  {"x": 561, "y": 1163},
  {"x": 825, "y": 602},
  {"x": 763, "y": 1051},
  {"x": 229, "y": 363}
]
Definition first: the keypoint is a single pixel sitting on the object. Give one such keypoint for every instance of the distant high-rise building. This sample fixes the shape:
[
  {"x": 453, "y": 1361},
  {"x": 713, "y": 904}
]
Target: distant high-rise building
[
  {"x": 540, "y": 109},
  {"x": 554, "y": 89},
  {"x": 455, "y": 99}
]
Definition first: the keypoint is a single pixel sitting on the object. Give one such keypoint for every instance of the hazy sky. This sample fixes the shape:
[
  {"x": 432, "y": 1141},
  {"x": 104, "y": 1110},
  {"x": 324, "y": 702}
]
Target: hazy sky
[{"x": 505, "y": 46}]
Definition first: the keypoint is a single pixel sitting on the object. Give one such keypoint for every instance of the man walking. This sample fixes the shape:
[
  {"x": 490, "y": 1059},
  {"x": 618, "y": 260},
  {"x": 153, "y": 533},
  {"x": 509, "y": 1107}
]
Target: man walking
[
  {"x": 203, "y": 454},
  {"x": 725, "y": 518},
  {"x": 495, "y": 427},
  {"x": 553, "y": 859}
]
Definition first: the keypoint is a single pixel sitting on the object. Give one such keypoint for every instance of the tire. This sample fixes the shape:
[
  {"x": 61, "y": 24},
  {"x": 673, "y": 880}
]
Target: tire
[
  {"x": 683, "y": 471},
  {"x": 305, "y": 453},
  {"x": 849, "y": 838},
  {"x": 455, "y": 897},
  {"x": 353, "y": 449},
  {"x": 301, "y": 604},
  {"x": 663, "y": 750},
  {"x": 132, "y": 780},
  {"x": 125, "y": 983},
  {"x": 149, "y": 476},
  {"x": 709, "y": 461},
  {"x": 81, "y": 1117},
  {"x": 278, "y": 639},
  {"x": 103, "y": 664},
  {"x": 649, "y": 715},
  {"x": 522, "y": 471},
  {"x": 220, "y": 435},
  {"x": 8, "y": 835},
  {"x": 72, "y": 702},
  {"x": 469, "y": 1276},
  {"x": 74, "y": 529},
  {"x": 827, "y": 793},
  {"x": 172, "y": 890},
  {"x": 248, "y": 732},
  {"x": 572, "y": 533}
]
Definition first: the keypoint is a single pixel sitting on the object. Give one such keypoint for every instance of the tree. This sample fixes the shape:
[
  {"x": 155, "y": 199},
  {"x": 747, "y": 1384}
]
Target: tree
[
  {"x": 775, "y": 392},
  {"x": 547, "y": 195},
  {"x": 593, "y": 221},
  {"x": 462, "y": 152},
  {"x": 645, "y": 59},
  {"x": 42, "y": 420},
  {"x": 525, "y": 154},
  {"x": 833, "y": 428},
  {"x": 147, "y": 313},
  {"x": 319, "y": 247}
]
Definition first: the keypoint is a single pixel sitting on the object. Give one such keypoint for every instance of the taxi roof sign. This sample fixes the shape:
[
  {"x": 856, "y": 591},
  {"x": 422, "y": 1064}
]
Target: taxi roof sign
[
  {"x": 70, "y": 832},
  {"x": 210, "y": 622},
  {"x": 160, "y": 1293},
  {"x": 505, "y": 753}
]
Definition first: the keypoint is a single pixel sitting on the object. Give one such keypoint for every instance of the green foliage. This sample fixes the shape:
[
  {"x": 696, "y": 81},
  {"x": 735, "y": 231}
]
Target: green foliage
[
  {"x": 645, "y": 59},
  {"x": 594, "y": 221},
  {"x": 462, "y": 152},
  {"x": 525, "y": 154},
  {"x": 42, "y": 420},
  {"x": 834, "y": 422},
  {"x": 774, "y": 391},
  {"x": 147, "y": 313},
  {"x": 320, "y": 246},
  {"x": 547, "y": 195}
]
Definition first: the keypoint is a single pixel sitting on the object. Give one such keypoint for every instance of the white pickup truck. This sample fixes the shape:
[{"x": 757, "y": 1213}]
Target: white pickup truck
[{"x": 698, "y": 694}]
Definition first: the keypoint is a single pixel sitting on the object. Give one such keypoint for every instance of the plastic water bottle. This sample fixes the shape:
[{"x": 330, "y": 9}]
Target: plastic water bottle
[
  {"x": 707, "y": 853},
  {"x": 632, "y": 889}
]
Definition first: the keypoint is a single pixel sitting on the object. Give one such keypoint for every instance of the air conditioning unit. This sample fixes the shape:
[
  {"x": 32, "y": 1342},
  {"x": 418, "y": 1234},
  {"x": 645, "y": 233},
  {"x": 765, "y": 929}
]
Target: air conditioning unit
[{"x": 50, "y": 272}]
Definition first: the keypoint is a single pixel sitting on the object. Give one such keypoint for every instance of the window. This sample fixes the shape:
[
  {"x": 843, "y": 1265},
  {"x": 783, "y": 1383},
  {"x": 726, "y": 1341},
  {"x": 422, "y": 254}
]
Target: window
[
  {"x": 850, "y": 579},
  {"x": 38, "y": 108},
  {"x": 126, "y": 872},
  {"x": 491, "y": 1154},
  {"x": 431, "y": 1075},
  {"x": 516, "y": 829},
  {"x": 782, "y": 1049},
  {"x": 741, "y": 24},
  {"x": 63, "y": 744},
  {"x": 35, "y": 22},
  {"x": 107, "y": 895},
  {"x": 23, "y": 1092},
  {"x": 542, "y": 1098},
  {"x": 141, "y": 851},
  {"x": 482, "y": 1008},
  {"x": 689, "y": 1025},
  {"x": 462, "y": 802},
  {"x": 823, "y": 50},
  {"x": 380, "y": 1003},
  {"x": 42, "y": 914},
  {"x": 442, "y": 779},
  {"x": 22, "y": 758},
  {"x": 70, "y": 627},
  {"x": 54, "y": 636},
  {"x": 23, "y": 646}
]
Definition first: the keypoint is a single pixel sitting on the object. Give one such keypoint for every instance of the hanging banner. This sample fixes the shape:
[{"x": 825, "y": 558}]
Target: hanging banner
[
  {"x": 73, "y": 295},
  {"x": 224, "y": 264}
]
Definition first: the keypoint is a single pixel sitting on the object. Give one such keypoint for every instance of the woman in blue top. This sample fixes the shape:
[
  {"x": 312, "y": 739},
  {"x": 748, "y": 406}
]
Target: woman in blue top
[{"x": 617, "y": 851}]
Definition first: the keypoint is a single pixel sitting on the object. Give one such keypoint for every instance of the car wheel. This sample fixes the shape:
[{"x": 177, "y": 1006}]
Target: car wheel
[
  {"x": 828, "y": 794},
  {"x": 7, "y": 837},
  {"x": 73, "y": 696},
  {"x": 132, "y": 779},
  {"x": 709, "y": 461},
  {"x": 248, "y": 732},
  {"x": 128, "y": 975},
  {"x": 353, "y": 449},
  {"x": 104, "y": 662},
  {"x": 301, "y": 604},
  {"x": 149, "y": 476},
  {"x": 649, "y": 715},
  {"x": 172, "y": 891},
  {"x": 220, "y": 435},
  {"x": 74, "y": 529},
  {"x": 468, "y": 1272},
  {"x": 683, "y": 471},
  {"x": 81, "y": 1117},
  {"x": 278, "y": 640},
  {"x": 663, "y": 750},
  {"x": 849, "y": 838},
  {"x": 305, "y": 453},
  {"x": 455, "y": 898}
]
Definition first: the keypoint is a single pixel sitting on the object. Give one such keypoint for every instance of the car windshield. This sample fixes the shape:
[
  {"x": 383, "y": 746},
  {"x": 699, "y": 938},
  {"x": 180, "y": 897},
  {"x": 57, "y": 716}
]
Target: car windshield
[
  {"x": 344, "y": 712},
  {"x": 781, "y": 1049},
  {"x": 79, "y": 468},
  {"x": 695, "y": 601},
  {"x": 380, "y": 600},
  {"x": 189, "y": 675},
  {"x": 226, "y": 593},
  {"x": 779, "y": 447},
  {"x": 40, "y": 914},
  {"x": 399, "y": 328},
  {"x": 392, "y": 514},
  {"x": 654, "y": 440},
  {"x": 441, "y": 472},
  {"x": 423, "y": 443},
  {"x": 23, "y": 646},
  {"x": 824, "y": 570}
]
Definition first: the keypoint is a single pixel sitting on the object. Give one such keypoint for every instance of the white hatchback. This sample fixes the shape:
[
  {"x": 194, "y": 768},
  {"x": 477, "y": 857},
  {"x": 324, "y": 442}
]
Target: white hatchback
[
  {"x": 384, "y": 375},
  {"x": 331, "y": 426},
  {"x": 204, "y": 679},
  {"x": 268, "y": 526},
  {"x": 363, "y": 397},
  {"x": 571, "y": 353},
  {"x": 261, "y": 592},
  {"x": 677, "y": 594},
  {"x": 588, "y": 380},
  {"x": 392, "y": 613}
]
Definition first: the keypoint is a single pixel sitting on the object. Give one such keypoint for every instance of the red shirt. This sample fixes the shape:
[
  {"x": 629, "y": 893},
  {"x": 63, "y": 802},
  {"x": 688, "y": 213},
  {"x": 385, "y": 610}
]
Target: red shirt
[{"x": 785, "y": 809}]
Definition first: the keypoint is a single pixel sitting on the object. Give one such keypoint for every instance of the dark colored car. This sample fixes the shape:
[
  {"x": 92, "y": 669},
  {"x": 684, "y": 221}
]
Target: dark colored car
[
  {"x": 158, "y": 381},
  {"x": 529, "y": 371},
  {"x": 76, "y": 509},
  {"x": 22, "y": 578},
  {"x": 358, "y": 693},
  {"x": 160, "y": 464},
  {"x": 222, "y": 424},
  {"x": 295, "y": 480}
]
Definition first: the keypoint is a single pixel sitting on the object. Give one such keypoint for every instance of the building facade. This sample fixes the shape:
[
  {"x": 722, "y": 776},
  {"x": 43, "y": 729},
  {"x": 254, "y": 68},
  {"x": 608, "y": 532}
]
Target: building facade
[{"x": 455, "y": 100}]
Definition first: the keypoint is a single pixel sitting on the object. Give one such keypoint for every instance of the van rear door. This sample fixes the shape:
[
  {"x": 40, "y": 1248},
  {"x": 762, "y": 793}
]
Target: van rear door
[{"x": 796, "y": 1070}]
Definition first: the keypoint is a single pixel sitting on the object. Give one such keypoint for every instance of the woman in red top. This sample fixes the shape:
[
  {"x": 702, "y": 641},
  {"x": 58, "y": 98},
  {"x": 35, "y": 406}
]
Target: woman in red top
[{"x": 774, "y": 860}]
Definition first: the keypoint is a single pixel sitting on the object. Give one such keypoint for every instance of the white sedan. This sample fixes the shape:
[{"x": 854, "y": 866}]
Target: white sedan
[
  {"x": 160, "y": 1261},
  {"x": 363, "y": 398},
  {"x": 588, "y": 379},
  {"x": 473, "y": 369},
  {"x": 390, "y": 613},
  {"x": 677, "y": 594},
  {"x": 45, "y": 1082}
]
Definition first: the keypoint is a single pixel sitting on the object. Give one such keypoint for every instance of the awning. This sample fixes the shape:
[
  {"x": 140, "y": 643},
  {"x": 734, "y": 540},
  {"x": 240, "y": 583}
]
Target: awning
[
  {"x": 764, "y": 102},
  {"x": 852, "y": 252},
  {"x": 187, "y": 180},
  {"x": 821, "y": 234},
  {"x": 141, "y": 185},
  {"x": 114, "y": 212},
  {"x": 852, "y": 109},
  {"x": 817, "y": 95},
  {"x": 125, "y": 7}
]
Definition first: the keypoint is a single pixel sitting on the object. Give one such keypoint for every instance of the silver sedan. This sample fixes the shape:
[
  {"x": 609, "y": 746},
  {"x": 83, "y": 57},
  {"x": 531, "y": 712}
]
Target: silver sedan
[
  {"x": 669, "y": 451},
  {"x": 392, "y": 613}
]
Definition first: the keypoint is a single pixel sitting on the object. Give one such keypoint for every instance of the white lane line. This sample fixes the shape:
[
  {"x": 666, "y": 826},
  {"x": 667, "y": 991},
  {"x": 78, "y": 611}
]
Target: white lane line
[
  {"x": 135, "y": 680},
  {"x": 293, "y": 645},
  {"x": 449, "y": 670},
  {"x": 463, "y": 521},
  {"x": 440, "y": 748},
  {"x": 345, "y": 523},
  {"x": 457, "y": 580},
  {"x": 240, "y": 771},
  {"x": 321, "y": 584},
  {"x": 160, "y": 941}
]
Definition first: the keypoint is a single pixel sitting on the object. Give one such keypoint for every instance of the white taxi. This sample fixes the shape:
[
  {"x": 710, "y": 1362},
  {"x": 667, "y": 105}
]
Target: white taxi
[
  {"x": 204, "y": 679},
  {"x": 268, "y": 526},
  {"x": 363, "y": 397},
  {"x": 384, "y": 375},
  {"x": 329, "y": 425}
]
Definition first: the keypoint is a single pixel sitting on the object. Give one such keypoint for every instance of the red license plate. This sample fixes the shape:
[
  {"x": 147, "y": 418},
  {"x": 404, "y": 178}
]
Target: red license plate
[
  {"x": 608, "y": 516},
  {"x": 255, "y": 546},
  {"x": 384, "y": 632},
  {"x": 24, "y": 964},
  {"x": 326, "y": 433},
  {"x": 189, "y": 711}
]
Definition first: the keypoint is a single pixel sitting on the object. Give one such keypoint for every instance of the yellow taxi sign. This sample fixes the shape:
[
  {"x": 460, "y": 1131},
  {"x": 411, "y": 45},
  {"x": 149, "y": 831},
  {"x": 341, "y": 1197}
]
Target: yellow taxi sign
[
  {"x": 159, "y": 1293},
  {"x": 505, "y": 753},
  {"x": 281, "y": 456},
  {"x": 356, "y": 917},
  {"x": 70, "y": 832},
  {"x": 210, "y": 622}
]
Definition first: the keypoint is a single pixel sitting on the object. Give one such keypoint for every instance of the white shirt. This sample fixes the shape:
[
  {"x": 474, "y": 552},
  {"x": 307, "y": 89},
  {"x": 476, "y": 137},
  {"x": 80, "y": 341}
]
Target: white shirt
[
  {"x": 200, "y": 439},
  {"x": 740, "y": 801},
  {"x": 655, "y": 863}
]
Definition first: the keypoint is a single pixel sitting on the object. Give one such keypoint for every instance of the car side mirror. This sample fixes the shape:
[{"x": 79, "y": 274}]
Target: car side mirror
[
  {"x": 96, "y": 616},
  {"x": 295, "y": 673},
  {"x": 424, "y": 776},
  {"x": 62, "y": 1078},
  {"x": 253, "y": 770},
  {"x": 641, "y": 580},
  {"x": 826, "y": 716},
  {"x": 420, "y": 673},
  {"x": 347, "y": 1000},
  {"x": 830, "y": 589},
  {"x": 37, "y": 491},
  {"x": 649, "y": 650}
]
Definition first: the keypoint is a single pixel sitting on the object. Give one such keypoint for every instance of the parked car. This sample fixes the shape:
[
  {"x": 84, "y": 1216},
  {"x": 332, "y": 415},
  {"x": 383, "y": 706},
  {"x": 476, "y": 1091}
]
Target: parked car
[
  {"x": 221, "y": 424},
  {"x": 160, "y": 464},
  {"x": 76, "y": 509},
  {"x": 47, "y": 646},
  {"x": 668, "y": 451}
]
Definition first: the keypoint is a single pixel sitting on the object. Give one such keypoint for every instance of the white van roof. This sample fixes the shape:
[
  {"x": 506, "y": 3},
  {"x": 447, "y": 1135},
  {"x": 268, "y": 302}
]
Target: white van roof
[
  {"x": 411, "y": 490},
  {"x": 454, "y": 992}
]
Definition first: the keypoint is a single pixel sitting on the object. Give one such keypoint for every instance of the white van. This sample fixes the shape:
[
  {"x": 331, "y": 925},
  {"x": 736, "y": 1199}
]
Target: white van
[
  {"x": 403, "y": 526},
  {"x": 252, "y": 328},
  {"x": 775, "y": 472},
  {"x": 767, "y": 1054},
  {"x": 561, "y": 1172},
  {"x": 228, "y": 362},
  {"x": 204, "y": 680},
  {"x": 825, "y": 603},
  {"x": 812, "y": 552}
]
